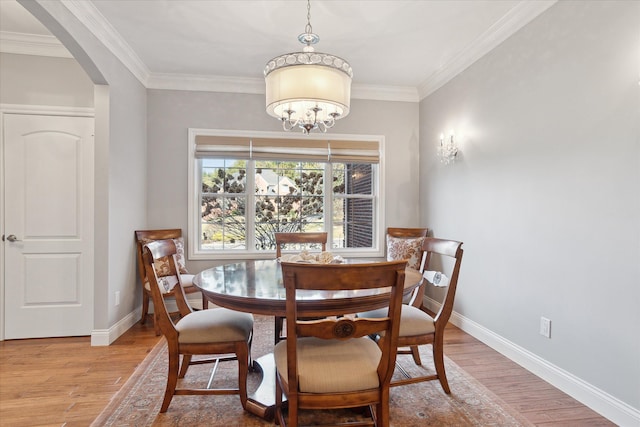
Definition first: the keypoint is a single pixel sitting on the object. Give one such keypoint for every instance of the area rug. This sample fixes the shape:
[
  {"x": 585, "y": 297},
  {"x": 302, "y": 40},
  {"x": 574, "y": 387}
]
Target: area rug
[{"x": 422, "y": 404}]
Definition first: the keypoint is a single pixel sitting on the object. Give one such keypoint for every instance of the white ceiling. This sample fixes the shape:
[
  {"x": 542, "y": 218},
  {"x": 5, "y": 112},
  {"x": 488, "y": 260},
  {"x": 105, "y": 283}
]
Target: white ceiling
[{"x": 399, "y": 50}]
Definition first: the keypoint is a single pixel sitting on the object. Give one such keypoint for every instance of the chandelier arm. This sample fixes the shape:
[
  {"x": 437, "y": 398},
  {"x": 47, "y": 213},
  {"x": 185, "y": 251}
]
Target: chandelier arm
[{"x": 288, "y": 124}]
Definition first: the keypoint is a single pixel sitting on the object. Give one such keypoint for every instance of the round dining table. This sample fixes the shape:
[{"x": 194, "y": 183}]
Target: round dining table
[{"x": 255, "y": 286}]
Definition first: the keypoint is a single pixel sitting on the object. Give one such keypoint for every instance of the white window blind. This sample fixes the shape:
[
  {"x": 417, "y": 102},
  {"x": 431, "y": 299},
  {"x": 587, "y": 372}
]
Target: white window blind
[{"x": 309, "y": 150}]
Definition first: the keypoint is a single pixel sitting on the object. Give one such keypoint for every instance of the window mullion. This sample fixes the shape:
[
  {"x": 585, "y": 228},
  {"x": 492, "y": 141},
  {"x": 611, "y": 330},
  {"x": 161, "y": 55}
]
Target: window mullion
[
  {"x": 250, "y": 211},
  {"x": 198, "y": 225},
  {"x": 328, "y": 203}
]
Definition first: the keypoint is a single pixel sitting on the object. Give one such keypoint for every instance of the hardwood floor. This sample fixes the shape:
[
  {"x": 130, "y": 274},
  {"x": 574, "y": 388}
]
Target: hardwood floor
[
  {"x": 66, "y": 382},
  {"x": 535, "y": 399}
]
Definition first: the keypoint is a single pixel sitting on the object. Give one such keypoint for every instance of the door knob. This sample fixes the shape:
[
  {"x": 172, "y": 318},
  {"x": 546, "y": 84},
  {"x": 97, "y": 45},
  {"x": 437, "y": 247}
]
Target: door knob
[{"x": 12, "y": 238}]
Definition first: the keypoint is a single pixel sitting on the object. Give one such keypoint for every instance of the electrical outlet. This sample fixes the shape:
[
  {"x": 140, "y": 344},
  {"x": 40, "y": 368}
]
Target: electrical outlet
[
  {"x": 117, "y": 298},
  {"x": 545, "y": 327}
]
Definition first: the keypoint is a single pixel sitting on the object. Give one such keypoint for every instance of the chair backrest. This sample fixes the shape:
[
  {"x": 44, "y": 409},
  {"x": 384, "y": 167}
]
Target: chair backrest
[
  {"x": 436, "y": 253},
  {"x": 341, "y": 277},
  {"x": 406, "y": 243},
  {"x": 307, "y": 238},
  {"x": 146, "y": 236},
  {"x": 152, "y": 252},
  {"x": 407, "y": 232}
]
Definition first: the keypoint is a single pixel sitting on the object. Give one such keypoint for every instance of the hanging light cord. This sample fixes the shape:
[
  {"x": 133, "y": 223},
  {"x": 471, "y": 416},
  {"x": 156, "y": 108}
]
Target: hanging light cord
[
  {"x": 308, "y": 29},
  {"x": 308, "y": 38}
]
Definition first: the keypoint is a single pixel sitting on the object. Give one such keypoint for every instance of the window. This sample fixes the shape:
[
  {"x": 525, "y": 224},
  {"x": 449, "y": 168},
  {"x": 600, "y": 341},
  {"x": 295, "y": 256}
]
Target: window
[{"x": 243, "y": 189}]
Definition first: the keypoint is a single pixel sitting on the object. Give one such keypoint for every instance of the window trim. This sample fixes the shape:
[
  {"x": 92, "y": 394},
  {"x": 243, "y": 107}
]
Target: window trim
[{"x": 193, "y": 253}]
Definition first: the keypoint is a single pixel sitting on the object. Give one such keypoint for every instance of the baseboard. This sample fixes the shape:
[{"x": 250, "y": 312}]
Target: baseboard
[
  {"x": 102, "y": 337},
  {"x": 603, "y": 403}
]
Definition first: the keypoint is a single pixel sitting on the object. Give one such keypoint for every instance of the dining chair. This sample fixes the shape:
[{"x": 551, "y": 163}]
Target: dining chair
[
  {"x": 417, "y": 327},
  {"x": 299, "y": 241},
  {"x": 406, "y": 243},
  {"x": 145, "y": 236},
  {"x": 332, "y": 363},
  {"x": 216, "y": 331}
]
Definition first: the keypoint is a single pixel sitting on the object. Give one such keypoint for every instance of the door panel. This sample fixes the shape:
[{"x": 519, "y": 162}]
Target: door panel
[
  {"x": 53, "y": 185},
  {"x": 48, "y": 283}
]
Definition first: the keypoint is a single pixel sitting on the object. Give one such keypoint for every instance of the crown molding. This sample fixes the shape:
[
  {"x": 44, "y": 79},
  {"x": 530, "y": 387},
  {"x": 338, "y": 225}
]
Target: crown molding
[
  {"x": 171, "y": 81},
  {"x": 96, "y": 23},
  {"x": 385, "y": 93},
  {"x": 32, "y": 44},
  {"x": 251, "y": 85},
  {"x": 506, "y": 26}
]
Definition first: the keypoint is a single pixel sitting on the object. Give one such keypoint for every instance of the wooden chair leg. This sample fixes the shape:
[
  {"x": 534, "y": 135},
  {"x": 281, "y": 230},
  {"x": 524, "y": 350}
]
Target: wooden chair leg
[
  {"x": 155, "y": 323},
  {"x": 416, "y": 355},
  {"x": 145, "y": 307},
  {"x": 292, "y": 411},
  {"x": 249, "y": 357},
  {"x": 172, "y": 380},
  {"x": 382, "y": 410},
  {"x": 186, "y": 360},
  {"x": 242, "y": 353},
  {"x": 279, "y": 323},
  {"x": 279, "y": 418},
  {"x": 438, "y": 360},
  {"x": 205, "y": 302}
]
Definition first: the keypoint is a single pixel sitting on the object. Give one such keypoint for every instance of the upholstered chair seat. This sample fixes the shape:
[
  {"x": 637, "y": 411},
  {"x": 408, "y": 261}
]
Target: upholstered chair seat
[
  {"x": 327, "y": 367},
  {"x": 413, "y": 321},
  {"x": 215, "y": 325}
]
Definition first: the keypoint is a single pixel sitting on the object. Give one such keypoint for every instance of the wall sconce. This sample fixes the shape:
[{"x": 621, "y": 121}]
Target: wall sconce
[{"x": 448, "y": 150}]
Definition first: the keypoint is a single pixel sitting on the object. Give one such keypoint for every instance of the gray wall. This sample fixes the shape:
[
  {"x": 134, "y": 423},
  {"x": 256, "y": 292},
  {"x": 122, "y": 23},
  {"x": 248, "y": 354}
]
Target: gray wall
[
  {"x": 120, "y": 166},
  {"x": 546, "y": 194},
  {"x": 37, "y": 80},
  {"x": 171, "y": 113}
]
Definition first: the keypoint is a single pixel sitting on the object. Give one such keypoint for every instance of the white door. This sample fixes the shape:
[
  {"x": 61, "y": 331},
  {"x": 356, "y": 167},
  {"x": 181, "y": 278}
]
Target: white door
[{"x": 48, "y": 229}]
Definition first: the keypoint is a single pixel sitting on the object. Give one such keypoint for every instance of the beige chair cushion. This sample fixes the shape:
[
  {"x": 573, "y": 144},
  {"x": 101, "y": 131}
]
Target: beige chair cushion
[
  {"x": 330, "y": 366},
  {"x": 413, "y": 321},
  {"x": 216, "y": 325}
]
